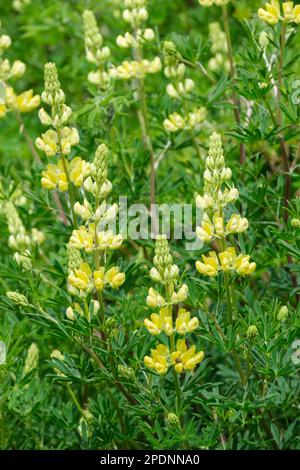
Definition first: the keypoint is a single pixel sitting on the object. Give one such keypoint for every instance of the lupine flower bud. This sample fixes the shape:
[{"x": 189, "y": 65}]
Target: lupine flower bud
[
  {"x": 70, "y": 314},
  {"x": 295, "y": 223},
  {"x": 126, "y": 372},
  {"x": 32, "y": 359},
  {"x": 155, "y": 276},
  {"x": 84, "y": 210},
  {"x": 17, "y": 298},
  {"x": 283, "y": 313},
  {"x": 252, "y": 332},
  {"x": 154, "y": 299},
  {"x": 18, "y": 69},
  {"x": 172, "y": 419}
]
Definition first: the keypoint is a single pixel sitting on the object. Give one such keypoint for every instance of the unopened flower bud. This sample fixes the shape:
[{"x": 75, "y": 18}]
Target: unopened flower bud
[
  {"x": 252, "y": 332},
  {"x": 283, "y": 313},
  {"x": 17, "y": 298}
]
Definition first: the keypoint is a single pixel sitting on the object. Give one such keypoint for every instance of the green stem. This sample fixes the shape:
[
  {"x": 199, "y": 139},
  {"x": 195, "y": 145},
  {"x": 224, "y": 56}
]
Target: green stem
[
  {"x": 280, "y": 71},
  {"x": 70, "y": 186},
  {"x": 228, "y": 299},
  {"x": 172, "y": 349},
  {"x": 200, "y": 67},
  {"x": 86, "y": 310},
  {"x": 176, "y": 379},
  {"x": 76, "y": 402},
  {"x": 230, "y": 316}
]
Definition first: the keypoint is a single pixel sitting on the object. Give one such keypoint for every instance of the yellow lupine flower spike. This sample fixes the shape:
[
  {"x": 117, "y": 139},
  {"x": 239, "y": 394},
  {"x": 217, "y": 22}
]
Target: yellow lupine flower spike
[{"x": 167, "y": 321}]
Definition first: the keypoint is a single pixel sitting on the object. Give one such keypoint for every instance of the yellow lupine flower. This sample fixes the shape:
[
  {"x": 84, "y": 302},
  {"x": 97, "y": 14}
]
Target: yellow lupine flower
[
  {"x": 99, "y": 278},
  {"x": 79, "y": 169},
  {"x": 154, "y": 299},
  {"x": 136, "y": 69},
  {"x": 159, "y": 322},
  {"x": 197, "y": 116},
  {"x": 10, "y": 96},
  {"x": 237, "y": 224},
  {"x": 54, "y": 176},
  {"x": 180, "y": 295},
  {"x": 271, "y": 14},
  {"x": 206, "y": 231},
  {"x": 114, "y": 277},
  {"x": 174, "y": 123},
  {"x": 297, "y": 14},
  {"x": 209, "y": 265},
  {"x": 26, "y": 101},
  {"x": 158, "y": 360},
  {"x": 288, "y": 11},
  {"x": 227, "y": 258},
  {"x": 81, "y": 278},
  {"x": 218, "y": 225},
  {"x": 109, "y": 240},
  {"x": 243, "y": 266},
  {"x": 83, "y": 238},
  {"x": 3, "y": 110},
  {"x": 184, "y": 358},
  {"x": 48, "y": 143},
  {"x": 225, "y": 261},
  {"x": 184, "y": 323}
]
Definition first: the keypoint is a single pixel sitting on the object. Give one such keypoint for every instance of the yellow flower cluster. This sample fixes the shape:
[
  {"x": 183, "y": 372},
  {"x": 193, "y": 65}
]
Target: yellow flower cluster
[
  {"x": 162, "y": 321},
  {"x": 219, "y": 61},
  {"x": 84, "y": 238},
  {"x": 52, "y": 142},
  {"x": 175, "y": 122},
  {"x": 272, "y": 14},
  {"x": 135, "y": 14},
  {"x": 214, "y": 225},
  {"x": 179, "y": 89},
  {"x": 225, "y": 261},
  {"x": 20, "y": 241},
  {"x": 55, "y": 177},
  {"x": 182, "y": 358},
  {"x": 136, "y": 68},
  {"x": 178, "y": 356},
  {"x": 95, "y": 53},
  {"x": 83, "y": 279},
  {"x": 26, "y": 101}
]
